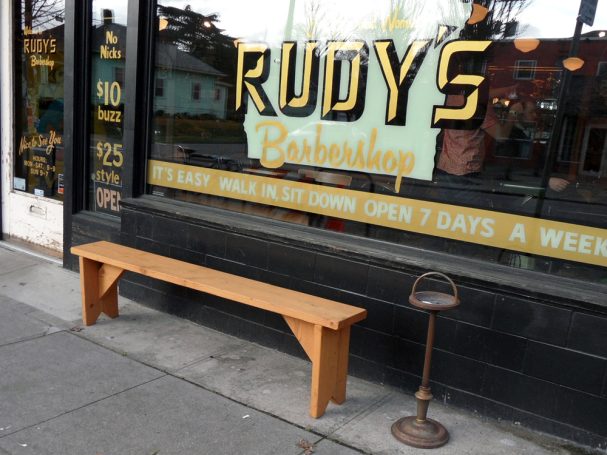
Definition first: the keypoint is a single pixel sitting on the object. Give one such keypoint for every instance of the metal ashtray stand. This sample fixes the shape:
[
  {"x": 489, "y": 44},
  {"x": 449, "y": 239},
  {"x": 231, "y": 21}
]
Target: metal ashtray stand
[{"x": 419, "y": 431}]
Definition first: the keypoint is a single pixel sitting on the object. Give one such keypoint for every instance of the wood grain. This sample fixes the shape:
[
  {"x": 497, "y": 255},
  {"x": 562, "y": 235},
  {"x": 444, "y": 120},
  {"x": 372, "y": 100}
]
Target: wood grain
[{"x": 297, "y": 305}]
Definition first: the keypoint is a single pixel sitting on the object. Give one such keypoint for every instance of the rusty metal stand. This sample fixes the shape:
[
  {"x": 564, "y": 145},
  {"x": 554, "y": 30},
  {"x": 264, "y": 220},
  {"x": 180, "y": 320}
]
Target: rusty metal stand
[{"x": 419, "y": 431}]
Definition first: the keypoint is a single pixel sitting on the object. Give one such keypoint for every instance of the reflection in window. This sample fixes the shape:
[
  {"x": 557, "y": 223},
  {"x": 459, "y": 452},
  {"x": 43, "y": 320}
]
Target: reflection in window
[
  {"x": 195, "y": 91},
  {"x": 119, "y": 75},
  {"x": 524, "y": 70},
  {"x": 106, "y": 151},
  {"x": 159, "y": 87},
  {"x": 39, "y": 97},
  {"x": 594, "y": 157},
  {"x": 535, "y": 147}
]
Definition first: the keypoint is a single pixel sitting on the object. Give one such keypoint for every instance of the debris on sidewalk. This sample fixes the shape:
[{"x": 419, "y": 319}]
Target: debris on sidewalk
[{"x": 307, "y": 446}]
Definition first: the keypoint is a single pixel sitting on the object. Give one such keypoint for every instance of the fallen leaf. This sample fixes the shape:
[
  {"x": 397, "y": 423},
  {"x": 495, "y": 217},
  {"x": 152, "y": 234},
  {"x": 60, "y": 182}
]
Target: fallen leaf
[{"x": 307, "y": 446}]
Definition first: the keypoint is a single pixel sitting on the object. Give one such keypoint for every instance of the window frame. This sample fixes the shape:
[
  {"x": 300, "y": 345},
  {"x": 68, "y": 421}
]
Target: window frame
[
  {"x": 524, "y": 66},
  {"x": 196, "y": 92},
  {"x": 159, "y": 87}
]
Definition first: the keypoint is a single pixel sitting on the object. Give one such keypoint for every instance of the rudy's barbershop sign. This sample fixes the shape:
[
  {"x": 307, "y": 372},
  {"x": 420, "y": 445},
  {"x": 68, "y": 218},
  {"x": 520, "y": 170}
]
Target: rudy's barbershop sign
[{"x": 373, "y": 102}]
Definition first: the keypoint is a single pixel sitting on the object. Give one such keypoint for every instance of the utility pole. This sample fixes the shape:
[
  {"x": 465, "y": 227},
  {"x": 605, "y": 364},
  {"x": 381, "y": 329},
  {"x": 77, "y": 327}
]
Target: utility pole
[{"x": 560, "y": 113}]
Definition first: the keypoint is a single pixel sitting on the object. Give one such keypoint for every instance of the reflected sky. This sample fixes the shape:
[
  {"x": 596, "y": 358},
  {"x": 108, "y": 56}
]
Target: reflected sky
[
  {"x": 119, "y": 8},
  {"x": 560, "y": 14},
  {"x": 271, "y": 15}
]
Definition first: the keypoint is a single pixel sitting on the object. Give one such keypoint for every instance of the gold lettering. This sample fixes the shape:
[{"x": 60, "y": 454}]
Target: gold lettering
[
  {"x": 398, "y": 88},
  {"x": 332, "y": 84},
  {"x": 252, "y": 78},
  {"x": 274, "y": 144},
  {"x": 274, "y": 155},
  {"x": 471, "y": 103},
  {"x": 286, "y": 65}
]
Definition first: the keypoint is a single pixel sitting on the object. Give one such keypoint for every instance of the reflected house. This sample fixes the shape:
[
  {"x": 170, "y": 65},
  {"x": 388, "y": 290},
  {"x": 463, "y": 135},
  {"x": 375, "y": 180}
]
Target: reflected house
[
  {"x": 186, "y": 85},
  {"x": 537, "y": 73},
  {"x": 108, "y": 66}
]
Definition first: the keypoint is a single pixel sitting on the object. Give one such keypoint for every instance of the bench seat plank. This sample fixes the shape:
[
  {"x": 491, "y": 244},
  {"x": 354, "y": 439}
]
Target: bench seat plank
[{"x": 289, "y": 303}]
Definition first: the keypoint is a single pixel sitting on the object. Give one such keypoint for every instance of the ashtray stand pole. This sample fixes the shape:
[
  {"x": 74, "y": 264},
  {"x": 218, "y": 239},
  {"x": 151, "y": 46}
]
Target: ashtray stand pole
[{"x": 423, "y": 395}]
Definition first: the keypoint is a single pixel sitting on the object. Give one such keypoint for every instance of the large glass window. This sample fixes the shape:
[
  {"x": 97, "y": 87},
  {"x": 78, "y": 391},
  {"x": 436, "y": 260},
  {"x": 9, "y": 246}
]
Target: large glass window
[
  {"x": 472, "y": 128},
  {"x": 106, "y": 156},
  {"x": 38, "y": 79}
]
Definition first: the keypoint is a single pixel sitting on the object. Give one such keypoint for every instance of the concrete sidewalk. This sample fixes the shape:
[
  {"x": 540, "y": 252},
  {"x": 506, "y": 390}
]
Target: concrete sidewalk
[{"x": 149, "y": 383}]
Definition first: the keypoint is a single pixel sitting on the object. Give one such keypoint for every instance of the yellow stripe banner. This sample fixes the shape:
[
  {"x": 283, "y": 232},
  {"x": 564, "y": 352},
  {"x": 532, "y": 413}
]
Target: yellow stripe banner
[{"x": 501, "y": 230}]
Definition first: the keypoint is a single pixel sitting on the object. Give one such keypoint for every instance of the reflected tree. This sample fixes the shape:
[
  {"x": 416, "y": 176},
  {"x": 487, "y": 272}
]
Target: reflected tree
[
  {"x": 198, "y": 35},
  {"x": 38, "y": 13},
  {"x": 500, "y": 21}
]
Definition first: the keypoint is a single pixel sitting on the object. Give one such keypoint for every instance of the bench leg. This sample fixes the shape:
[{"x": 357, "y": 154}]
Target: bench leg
[
  {"x": 325, "y": 354},
  {"x": 328, "y": 350},
  {"x": 109, "y": 302},
  {"x": 99, "y": 287},
  {"x": 339, "y": 395},
  {"x": 89, "y": 286},
  {"x": 108, "y": 289}
]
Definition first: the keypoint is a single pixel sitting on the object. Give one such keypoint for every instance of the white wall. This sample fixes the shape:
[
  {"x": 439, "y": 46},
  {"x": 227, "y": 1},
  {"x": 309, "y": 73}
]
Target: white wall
[{"x": 24, "y": 216}]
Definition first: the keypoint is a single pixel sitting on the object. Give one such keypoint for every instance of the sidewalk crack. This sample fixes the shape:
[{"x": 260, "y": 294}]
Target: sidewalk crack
[{"x": 82, "y": 407}]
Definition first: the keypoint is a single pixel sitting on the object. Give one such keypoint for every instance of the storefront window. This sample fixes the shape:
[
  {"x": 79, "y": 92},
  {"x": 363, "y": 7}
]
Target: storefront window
[
  {"x": 39, "y": 97},
  {"x": 106, "y": 157},
  {"x": 472, "y": 128}
]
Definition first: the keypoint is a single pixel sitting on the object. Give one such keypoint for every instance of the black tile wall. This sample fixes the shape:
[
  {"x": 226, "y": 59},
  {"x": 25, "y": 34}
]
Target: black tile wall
[
  {"x": 290, "y": 261},
  {"x": 129, "y": 222},
  {"x": 589, "y": 334},
  {"x": 341, "y": 273},
  {"x": 605, "y": 384},
  {"x": 457, "y": 371},
  {"x": 407, "y": 382},
  {"x": 206, "y": 241},
  {"x": 247, "y": 251},
  {"x": 476, "y": 307},
  {"x": 389, "y": 285},
  {"x": 582, "y": 372},
  {"x": 445, "y": 333},
  {"x": 532, "y": 320},
  {"x": 583, "y": 410},
  {"x": 411, "y": 324},
  {"x": 364, "y": 368},
  {"x": 186, "y": 255},
  {"x": 276, "y": 322},
  {"x": 277, "y": 279},
  {"x": 483, "y": 344},
  {"x": 520, "y": 391},
  {"x": 137, "y": 224},
  {"x": 169, "y": 232},
  {"x": 235, "y": 268},
  {"x": 477, "y": 404},
  {"x": 79, "y": 239},
  {"x": 372, "y": 345},
  {"x": 152, "y": 246},
  {"x": 501, "y": 349},
  {"x": 380, "y": 315},
  {"x": 409, "y": 357},
  {"x": 528, "y": 419}
]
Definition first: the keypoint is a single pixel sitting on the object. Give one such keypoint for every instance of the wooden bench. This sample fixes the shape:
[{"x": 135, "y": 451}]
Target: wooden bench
[{"x": 321, "y": 326}]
